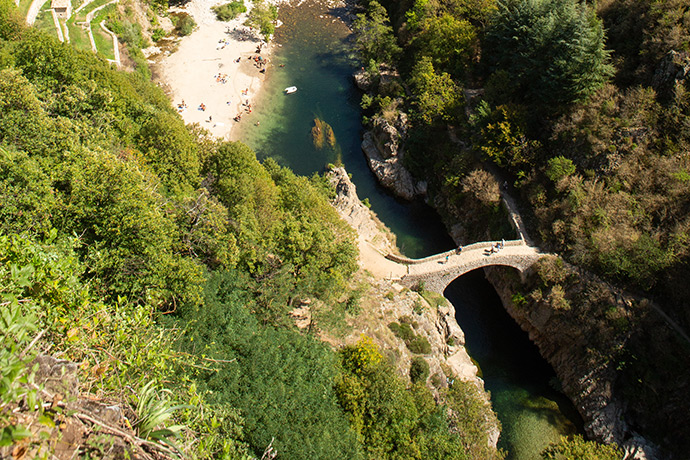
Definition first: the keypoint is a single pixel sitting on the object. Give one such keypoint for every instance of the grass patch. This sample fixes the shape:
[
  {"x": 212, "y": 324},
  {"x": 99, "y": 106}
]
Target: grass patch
[
  {"x": 78, "y": 36},
  {"x": 81, "y": 17},
  {"x": 44, "y": 22},
  {"x": 24, "y": 6},
  {"x": 332, "y": 319},
  {"x": 104, "y": 42},
  {"x": 434, "y": 299}
]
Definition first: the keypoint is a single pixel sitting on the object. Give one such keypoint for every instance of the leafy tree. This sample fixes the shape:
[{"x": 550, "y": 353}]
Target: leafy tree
[
  {"x": 11, "y": 22},
  {"x": 263, "y": 16},
  {"x": 171, "y": 149},
  {"x": 503, "y": 137},
  {"x": 26, "y": 195},
  {"x": 128, "y": 239},
  {"x": 559, "y": 167},
  {"x": 553, "y": 50},
  {"x": 374, "y": 35},
  {"x": 449, "y": 41},
  {"x": 437, "y": 96}
]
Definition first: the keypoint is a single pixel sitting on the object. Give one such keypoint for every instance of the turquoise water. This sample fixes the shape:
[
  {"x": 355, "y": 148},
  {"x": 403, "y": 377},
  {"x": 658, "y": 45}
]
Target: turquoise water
[
  {"x": 314, "y": 51},
  {"x": 532, "y": 412}
]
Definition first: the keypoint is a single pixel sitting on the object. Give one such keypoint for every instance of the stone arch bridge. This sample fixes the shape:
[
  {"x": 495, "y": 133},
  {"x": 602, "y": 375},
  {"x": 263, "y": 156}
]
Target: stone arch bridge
[{"x": 439, "y": 270}]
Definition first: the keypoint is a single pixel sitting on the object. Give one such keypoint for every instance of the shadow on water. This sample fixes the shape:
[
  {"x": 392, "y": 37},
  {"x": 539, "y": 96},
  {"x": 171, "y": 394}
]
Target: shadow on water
[
  {"x": 522, "y": 384},
  {"x": 313, "y": 48}
]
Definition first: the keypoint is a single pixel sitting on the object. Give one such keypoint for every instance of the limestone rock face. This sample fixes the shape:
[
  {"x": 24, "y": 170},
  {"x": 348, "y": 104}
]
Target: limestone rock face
[
  {"x": 362, "y": 80},
  {"x": 368, "y": 227},
  {"x": 587, "y": 382},
  {"x": 673, "y": 69},
  {"x": 382, "y": 147}
]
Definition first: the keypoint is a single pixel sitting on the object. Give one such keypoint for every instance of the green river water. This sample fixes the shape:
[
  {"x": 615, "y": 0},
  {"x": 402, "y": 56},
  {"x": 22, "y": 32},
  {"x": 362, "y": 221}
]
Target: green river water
[{"x": 312, "y": 46}]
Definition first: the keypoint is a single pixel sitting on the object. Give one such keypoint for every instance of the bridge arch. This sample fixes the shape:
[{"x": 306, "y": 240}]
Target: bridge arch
[{"x": 437, "y": 272}]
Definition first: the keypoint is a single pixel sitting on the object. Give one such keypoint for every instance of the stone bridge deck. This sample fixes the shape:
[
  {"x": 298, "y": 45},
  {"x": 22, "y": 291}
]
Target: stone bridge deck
[{"x": 437, "y": 272}]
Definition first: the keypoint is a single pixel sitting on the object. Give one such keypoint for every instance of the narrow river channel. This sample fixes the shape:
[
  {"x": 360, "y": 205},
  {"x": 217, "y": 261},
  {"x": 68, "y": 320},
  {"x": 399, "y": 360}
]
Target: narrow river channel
[
  {"x": 521, "y": 382},
  {"x": 313, "y": 48}
]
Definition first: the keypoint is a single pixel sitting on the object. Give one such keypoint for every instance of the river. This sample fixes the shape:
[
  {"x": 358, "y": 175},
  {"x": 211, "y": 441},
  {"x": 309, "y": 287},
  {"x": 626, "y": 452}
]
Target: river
[
  {"x": 314, "y": 51},
  {"x": 313, "y": 48},
  {"x": 522, "y": 384}
]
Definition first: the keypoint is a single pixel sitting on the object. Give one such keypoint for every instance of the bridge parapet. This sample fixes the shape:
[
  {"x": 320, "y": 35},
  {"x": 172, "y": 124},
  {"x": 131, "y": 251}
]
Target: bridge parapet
[{"x": 441, "y": 256}]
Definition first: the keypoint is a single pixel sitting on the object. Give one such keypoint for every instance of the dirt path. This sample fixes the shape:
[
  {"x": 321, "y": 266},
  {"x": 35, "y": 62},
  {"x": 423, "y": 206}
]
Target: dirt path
[{"x": 35, "y": 7}]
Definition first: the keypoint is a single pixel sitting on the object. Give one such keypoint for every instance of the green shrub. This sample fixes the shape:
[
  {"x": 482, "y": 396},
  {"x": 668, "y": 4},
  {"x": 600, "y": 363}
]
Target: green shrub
[
  {"x": 157, "y": 34},
  {"x": 519, "y": 300},
  {"x": 559, "y": 167},
  {"x": 419, "y": 369},
  {"x": 229, "y": 11},
  {"x": 185, "y": 25},
  {"x": 419, "y": 345},
  {"x": 415, "y": 343},
  {"x": 576, "y": 447}
]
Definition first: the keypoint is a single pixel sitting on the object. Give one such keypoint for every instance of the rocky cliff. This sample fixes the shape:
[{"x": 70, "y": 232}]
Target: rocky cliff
[
  {"x": 382, "y": 146},
  {"x": 582, "y": 342},
  {"x": 386, "y": 301}
]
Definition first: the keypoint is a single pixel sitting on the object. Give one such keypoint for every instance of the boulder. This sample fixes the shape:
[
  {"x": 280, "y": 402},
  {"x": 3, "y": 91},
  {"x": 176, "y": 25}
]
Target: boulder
[
  {"x": 362, "y": 79},
  {"x": 673, "y": 69},
  {"x": 389, "y": 172}
]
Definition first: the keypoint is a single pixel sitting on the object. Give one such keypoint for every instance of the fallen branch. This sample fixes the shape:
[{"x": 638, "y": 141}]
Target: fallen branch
[{"x": 131, "y": 439}]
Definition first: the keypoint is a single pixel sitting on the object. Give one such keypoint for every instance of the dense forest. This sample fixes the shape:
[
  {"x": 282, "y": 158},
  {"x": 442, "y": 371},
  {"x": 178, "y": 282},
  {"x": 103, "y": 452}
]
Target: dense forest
[
  {"x": 164, "y": 263},
  {"x": 581, "y": 109}
]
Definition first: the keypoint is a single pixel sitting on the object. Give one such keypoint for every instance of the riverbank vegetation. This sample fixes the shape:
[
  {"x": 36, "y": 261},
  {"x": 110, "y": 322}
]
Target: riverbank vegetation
[
  {"x": 581, "y": 110},
  {"x": 161, "y": 265}
]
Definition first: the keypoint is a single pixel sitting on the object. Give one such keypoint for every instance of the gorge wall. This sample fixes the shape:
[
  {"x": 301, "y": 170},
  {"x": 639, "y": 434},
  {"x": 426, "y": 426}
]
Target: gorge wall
[{"x": 582, "y": 343}]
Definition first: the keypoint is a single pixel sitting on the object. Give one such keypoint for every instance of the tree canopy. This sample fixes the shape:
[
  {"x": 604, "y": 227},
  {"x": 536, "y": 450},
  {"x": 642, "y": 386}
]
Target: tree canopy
[{"x": 553, "y": 50}]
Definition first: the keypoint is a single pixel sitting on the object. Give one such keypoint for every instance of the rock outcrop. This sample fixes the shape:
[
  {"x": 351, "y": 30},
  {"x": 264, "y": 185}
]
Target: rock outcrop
[
  {"x": 383, "y": 148},
  {"x": 587, "y": 379},
  {"x": 673, "y": 70},
  {"x": 365, "y": 223}
]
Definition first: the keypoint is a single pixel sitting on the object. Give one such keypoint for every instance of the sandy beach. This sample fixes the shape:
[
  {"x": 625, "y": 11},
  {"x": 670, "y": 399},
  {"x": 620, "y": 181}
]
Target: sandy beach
[{"x": 205, "y": 70}]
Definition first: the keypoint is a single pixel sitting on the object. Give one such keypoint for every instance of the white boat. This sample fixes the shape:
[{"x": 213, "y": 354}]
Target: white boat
[{"x": 290, "y": 89}]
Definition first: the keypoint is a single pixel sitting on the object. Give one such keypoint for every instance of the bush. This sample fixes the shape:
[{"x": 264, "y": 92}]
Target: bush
[
  {"x": 229, "y": 11},
  {"x": 415, "y": 343},
  {"x": 576, "y": 447},
  {"x": 419, "y": 370},
  {"x": 157, "y": 34},
  {"x": 559, "y": 168},
  {"x": 185, "y": 25},
  {"x": 419, "y": 345}
]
